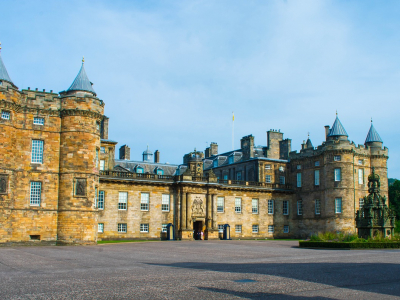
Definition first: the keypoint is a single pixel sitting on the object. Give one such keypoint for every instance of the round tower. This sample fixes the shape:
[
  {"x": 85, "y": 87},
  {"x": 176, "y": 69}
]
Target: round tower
[{"x": 81, "y": 114}]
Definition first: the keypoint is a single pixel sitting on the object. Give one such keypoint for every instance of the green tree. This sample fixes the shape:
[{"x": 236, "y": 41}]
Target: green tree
[{"x": 394, "y": 200}]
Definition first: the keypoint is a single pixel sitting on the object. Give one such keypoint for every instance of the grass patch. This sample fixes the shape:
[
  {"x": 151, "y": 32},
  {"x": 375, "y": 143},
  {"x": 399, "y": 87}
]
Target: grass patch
[{"x": 124, "y": 241}]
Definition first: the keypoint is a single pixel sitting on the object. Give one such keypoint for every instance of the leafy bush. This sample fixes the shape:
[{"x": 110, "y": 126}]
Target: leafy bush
[{"x": 350, "y": 238}]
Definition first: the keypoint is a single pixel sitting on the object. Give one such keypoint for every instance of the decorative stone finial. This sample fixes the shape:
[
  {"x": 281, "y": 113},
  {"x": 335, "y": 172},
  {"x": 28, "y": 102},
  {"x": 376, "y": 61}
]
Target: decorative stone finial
[
  {"x": 0, "y": 46},
  {"x": 371, "y": 119},
  {"x": 83, "y": 59},
  {"x": 336, "y": 113}
]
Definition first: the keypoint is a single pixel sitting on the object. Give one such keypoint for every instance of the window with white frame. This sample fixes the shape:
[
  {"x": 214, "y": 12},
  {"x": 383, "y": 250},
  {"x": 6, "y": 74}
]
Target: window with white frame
[
  {"x": 267, "y": 167},
  {"x": 316, "y": 177},
  {"x": 270, "y": 207},
  {"x": 338, "y": 205},
  {"x": 220, "y": 228},
  {"x": 281, "y": 179},
  {"x": 37, "y": 151},
  {"x": 270, "y": 228},
  {"x": 360, "y": 203},
  {"x": 298, "y": 180},
  {"x": 360, "y": 176},
  {"x": 285, "y": 228},
  {"x": 254, "y": 206},
  {"x": 36, "y": 192},
  {"x": 164, "y": 227},
  {"x": 5, "y": 115},
  {"x": 96, "y": 195},
  {"x": 100, "y": 227},
  {"x": 238, "y": 228},
  {"x": 38, "y": 121},
  {"x": 103, "y": 150},
  {"x": 97, "y": 126},
  {"x": 281, "y": 169},
  {"x": 316, "y": 163},
  {"x": 298, "y": 167},
  {"x": 102, "y": 164},
  {"x": 254, "y": 229},
  {"x": 238, "y": 205},
  {"x": 299, "y": 207},
  {"x": 337, "y": 158},
  {"x": 122, "y": 200},
  {"x": 285, "y": 207},
  {"x": 220, "y": 204},
  {"x": 100, "y": 200},
  {"x": 160, "y": 172},
  {"x": 317, "y": 207},
  {"x": 337, "y": 174},
  {"x": 144, "y": 228},
  {"x": 144, "y": 201},
  {"x": 268, "y": 178},
  {"x": 122, "y": 227},
  {"x": 360, "y": 161},
  {"x": 165, "y": 202},
  {"x": 139, "y": 170}
]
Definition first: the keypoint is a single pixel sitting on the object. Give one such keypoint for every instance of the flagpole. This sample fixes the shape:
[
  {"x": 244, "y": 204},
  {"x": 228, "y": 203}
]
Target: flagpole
[{"x": 233, "y": 130}]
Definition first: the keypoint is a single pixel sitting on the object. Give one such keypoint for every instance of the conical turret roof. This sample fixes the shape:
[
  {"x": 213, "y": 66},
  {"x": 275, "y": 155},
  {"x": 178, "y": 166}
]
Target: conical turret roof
[
  {"x": 82, "y": 82},
  {"x": 373, "y": 135},
  {"x": 3, "y": 71},
  {"x": 337, "y": 128},
  {"x": 309, "y": 144}
]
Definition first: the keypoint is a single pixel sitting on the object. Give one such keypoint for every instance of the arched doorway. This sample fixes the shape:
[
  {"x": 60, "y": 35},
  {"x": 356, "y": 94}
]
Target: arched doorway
[{"x": 198, "y": 233}]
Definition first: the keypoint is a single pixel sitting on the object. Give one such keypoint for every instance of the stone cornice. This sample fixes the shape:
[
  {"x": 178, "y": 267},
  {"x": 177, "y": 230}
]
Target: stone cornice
[{"x": 82, "y": 113}]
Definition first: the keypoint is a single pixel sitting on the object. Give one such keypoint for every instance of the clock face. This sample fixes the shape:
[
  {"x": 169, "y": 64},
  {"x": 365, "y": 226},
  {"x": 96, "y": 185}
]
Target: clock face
[{"x": 198, "y": 167}]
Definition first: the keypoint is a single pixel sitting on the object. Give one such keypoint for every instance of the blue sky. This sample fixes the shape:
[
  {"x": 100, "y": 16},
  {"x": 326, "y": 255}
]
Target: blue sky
[{"x": 172, "y": 72}]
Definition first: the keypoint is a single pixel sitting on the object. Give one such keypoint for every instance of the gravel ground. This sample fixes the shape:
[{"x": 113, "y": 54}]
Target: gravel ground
[{"x": 198, "y": 270}]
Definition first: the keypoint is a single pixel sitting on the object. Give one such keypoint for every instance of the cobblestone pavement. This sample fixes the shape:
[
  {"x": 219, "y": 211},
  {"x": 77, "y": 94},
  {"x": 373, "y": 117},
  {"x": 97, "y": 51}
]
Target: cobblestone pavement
[{"x": 198, "y": 270}]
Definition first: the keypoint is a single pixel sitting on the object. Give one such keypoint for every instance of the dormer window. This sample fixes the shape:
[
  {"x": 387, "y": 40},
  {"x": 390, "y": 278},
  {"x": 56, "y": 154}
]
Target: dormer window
[
  {"x": 230, "y": 159},
  {"x": 160, "y": 172},
  {"x": 139, "y": 170},
  {"x": 215, "y": 163}
]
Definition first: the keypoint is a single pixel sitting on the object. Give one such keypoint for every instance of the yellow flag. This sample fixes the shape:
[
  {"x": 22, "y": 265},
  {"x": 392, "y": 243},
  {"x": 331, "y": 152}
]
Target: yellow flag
[{"x": 233, "y": 117}]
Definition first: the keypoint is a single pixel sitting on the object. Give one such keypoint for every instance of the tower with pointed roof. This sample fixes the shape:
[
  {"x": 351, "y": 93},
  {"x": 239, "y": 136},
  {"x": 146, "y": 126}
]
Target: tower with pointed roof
[
  {"x": 5, "y": 79},
  {"x": 81, "y": 116}
]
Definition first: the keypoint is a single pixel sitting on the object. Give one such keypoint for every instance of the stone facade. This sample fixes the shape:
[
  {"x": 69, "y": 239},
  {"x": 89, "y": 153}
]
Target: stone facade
[{"x": 61, "y": 183}]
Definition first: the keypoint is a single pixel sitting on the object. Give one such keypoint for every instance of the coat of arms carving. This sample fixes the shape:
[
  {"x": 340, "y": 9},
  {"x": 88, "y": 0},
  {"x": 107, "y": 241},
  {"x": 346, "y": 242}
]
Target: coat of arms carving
[{"x": 197, "y": 207}]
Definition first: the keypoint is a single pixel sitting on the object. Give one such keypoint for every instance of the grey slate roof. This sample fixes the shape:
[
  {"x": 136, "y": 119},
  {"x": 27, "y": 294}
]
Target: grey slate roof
[
  {"x": 373, "y": 135},
  {"x": 309, "y": 144},
  {"x": 82, "y": 82},
  {"x": 3, "y": 72},
  {"x": 148, "y": 167},
  {"x": 337, "y": 129}
]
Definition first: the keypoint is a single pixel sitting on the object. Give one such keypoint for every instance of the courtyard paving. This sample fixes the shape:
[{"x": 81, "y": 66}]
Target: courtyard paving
[{"x": 198, "y": 270}]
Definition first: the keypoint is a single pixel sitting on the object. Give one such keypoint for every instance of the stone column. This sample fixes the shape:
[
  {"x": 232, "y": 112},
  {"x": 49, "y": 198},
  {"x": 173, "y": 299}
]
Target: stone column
[
  {"x": 213, "y": 213},
  {"x": 183, "y": 218},
  {"x": 209, "y": 211},
  {"x": 188, "y": 213},
  {"x": 177, "y": 210}
]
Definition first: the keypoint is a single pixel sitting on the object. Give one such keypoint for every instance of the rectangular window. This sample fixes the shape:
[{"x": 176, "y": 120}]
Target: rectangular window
[
  {"x": 285, "y": 228},
  {"x": 255, "y": 228},
  {"x": 220, "y": 204},
  {"x": 298, "y": 167},
  {"x": 316, "y": 177},
  {"x": 337, "y": 158},
  {"x": 298, "y": 179},
  {"x": 122, "y": 227},
  {"x": 254, "y": 206},
  {"x": 268, "y": 178},
  {"x": 338, "y": 205},
  {"x": 337, "y": 174},
  {"x": 361, "y": 176},
  {"x": 122, "y": 200},
  {"x": 100, "y": 200},
  {"x": 270, "y": 228},
  {"x": 165, "y": 202},
  {"x": 144, "y": 201},
  {"x": 164, "y": 227},
  {"x": 103, "y": 150},
  {"x": 299, "y": 207},
  {"x": 285, "y": 207},
  {"x": 238, "y": 228},
  {"x": 215, "y": 163},
  {"x": 360, "y": 161},
  {"x": 102, "y": 164},
  {"x": 317, "y": 207},
  {"x": 38, "y": 121},
  {"x": 267, "y": 167},
  {"x": 230, "y": 159},
  {"x": 36, "y": 191},
  {"x": 360, "y": 203},
  {"x": 238, "y": 205},
  {"x": 225, "y": 177},
  {"x": 5, "y": 115},
  {"x": 100, "y": 227},
  {"x": 270, "y": 207},
  {"x": 96, "y": 194},
  {"x": 220, "y": 228},
  {"x": 281, "y": 179},
  {"x": 239, "y": 175},
  {"x": 37, "y": 151},
  {"x": 144, "y": 228},
  {"x": 281, "y": 169},
  {"x": 316, "y": 163}
]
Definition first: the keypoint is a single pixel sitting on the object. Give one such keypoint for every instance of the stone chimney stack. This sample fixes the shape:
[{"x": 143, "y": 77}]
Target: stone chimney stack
[
  {"x": 326, "y": 132},
  {"x": 157, "y": 156},
  {"x": 125, "y": 152}
]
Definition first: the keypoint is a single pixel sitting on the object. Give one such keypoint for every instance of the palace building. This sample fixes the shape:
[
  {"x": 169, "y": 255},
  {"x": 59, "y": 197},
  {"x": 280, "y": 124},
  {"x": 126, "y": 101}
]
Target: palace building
[{"x": 60, "y": 180}]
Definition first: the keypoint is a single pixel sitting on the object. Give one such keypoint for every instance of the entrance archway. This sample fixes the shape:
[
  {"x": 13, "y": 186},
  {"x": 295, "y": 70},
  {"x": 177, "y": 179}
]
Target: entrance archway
[{"x": 198, "y": 230}]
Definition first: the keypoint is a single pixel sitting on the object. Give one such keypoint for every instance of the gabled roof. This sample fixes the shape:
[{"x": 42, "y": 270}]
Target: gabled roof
[
  {"x": 3, "y": 72},
  {"x": 82, "y": 82},
  {"x": 337, "y": 129},
  {"x": 373, "y": 135}
]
